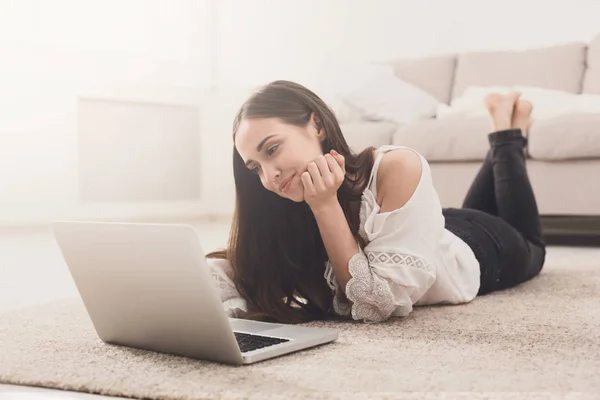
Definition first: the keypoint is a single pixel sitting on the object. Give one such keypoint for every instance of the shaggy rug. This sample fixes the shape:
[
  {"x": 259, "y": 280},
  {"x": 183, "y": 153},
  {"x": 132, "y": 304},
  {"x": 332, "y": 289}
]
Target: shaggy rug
[{"x": 539, "y": 340}]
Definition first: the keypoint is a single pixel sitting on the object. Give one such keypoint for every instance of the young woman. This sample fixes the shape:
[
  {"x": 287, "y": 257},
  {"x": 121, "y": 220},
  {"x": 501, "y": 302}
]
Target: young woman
[{"x": 321, "y": 231}]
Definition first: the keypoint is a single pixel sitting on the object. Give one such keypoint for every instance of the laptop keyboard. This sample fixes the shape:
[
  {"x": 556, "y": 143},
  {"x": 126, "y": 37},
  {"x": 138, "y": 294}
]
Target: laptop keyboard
[{"x": 249, "y": 342}]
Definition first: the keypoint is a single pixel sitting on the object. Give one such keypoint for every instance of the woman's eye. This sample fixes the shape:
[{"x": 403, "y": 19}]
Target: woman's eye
[
  {"x": 255, "y": 170},
  {"x": 272, "y": 149}
]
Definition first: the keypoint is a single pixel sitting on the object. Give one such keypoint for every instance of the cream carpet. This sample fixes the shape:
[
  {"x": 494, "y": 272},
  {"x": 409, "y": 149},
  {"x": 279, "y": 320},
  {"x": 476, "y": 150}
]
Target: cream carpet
[{"x": 542, "y": 337}]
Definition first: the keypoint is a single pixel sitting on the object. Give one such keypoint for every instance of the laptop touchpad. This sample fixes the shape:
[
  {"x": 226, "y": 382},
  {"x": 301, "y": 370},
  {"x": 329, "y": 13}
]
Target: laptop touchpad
[{"x": 252, "y": 326}]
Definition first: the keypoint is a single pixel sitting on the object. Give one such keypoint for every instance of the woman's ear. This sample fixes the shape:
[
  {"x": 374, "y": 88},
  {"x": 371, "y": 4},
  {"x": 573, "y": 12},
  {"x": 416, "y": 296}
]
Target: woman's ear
[{"x": 316, "y": 123}]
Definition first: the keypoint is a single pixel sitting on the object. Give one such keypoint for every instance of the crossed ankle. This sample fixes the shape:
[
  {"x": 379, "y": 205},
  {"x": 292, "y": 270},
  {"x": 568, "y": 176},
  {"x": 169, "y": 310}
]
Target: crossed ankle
[{"x": 507, "y": 136}]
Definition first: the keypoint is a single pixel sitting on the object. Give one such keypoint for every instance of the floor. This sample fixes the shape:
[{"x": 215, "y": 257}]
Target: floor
[{"x": 32, "y": 272}]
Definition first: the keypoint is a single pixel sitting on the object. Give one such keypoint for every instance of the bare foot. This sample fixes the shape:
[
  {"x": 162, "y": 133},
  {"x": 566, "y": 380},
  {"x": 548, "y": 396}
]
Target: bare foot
[
  {"x": 522, "y": 116},
  {"x": 501, "y": 109}
]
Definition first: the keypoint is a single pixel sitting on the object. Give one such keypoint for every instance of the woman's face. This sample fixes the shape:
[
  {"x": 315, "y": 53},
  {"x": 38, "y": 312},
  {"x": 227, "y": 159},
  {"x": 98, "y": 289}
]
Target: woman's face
[{"x": 279, "y": 153}]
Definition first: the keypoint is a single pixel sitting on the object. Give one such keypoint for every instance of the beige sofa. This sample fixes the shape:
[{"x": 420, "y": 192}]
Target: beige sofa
[{"x": 564, "y": 152}]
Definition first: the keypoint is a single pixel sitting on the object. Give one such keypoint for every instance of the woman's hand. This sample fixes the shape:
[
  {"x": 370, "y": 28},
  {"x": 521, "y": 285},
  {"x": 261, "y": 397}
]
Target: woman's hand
[{"x": 322, "y": 180}]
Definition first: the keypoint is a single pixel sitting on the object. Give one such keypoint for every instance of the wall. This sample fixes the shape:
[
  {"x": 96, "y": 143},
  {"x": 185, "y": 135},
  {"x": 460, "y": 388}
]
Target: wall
[
  {"x": 169, "y": 52},
  {"x": 56, "y": 52},
  {"x": 306, "y": 40}
]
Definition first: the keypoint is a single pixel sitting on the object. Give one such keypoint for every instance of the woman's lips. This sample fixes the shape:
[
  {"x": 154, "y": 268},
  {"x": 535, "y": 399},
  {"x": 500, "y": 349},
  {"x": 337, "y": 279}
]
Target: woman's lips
[{"x": 286, "y": 185}]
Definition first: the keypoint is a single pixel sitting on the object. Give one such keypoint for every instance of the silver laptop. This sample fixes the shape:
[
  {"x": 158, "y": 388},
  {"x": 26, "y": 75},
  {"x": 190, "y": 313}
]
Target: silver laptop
[{"x": 148, "y": 286}]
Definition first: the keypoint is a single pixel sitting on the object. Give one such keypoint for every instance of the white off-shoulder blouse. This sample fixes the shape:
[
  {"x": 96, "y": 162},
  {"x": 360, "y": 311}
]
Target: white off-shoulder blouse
[{"x": 410, "y": 259}]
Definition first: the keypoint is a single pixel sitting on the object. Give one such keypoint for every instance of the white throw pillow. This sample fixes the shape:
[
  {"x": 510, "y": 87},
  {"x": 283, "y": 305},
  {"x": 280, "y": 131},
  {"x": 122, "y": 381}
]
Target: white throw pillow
[
  {"x": 381, "y": 96},
  {"x": 470, "y": 103},
  {"x": 344, "y": 112},
  {"x": 547, "y": 103},
  {"x": 386, "y": 97}
]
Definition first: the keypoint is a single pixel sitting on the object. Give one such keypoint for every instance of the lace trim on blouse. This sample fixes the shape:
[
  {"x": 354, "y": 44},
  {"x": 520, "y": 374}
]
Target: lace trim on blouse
[
  {"x": 236, "y": 307},
  {"x": 386, "y": 257},
  {"x": 369, "y": 297},
  {"x": 225, "y": 285}
]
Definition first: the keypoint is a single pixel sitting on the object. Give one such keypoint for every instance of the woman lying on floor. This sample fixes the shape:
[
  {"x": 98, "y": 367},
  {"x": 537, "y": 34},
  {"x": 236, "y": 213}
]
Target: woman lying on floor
[{"x": 321, "y": 231}]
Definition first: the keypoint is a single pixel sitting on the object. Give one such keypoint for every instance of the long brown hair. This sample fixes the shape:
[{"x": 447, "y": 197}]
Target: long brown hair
[{"x": 275, "y": 247}]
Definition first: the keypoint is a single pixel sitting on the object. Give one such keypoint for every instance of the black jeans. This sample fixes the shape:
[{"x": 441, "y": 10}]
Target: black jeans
[{"x": 499, "y": 218}]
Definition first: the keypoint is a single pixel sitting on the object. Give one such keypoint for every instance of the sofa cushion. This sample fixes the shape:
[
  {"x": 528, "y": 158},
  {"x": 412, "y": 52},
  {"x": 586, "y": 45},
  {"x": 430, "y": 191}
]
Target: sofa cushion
[
  {"x": 591, "y": 82},
  {"x": 568, "y": 137},
  {"x": 450, "y": 139},
  {"x": 558, "y": 68},
  {"x": 432, "y": 74},
  {"x": 361, "y": 135}
]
